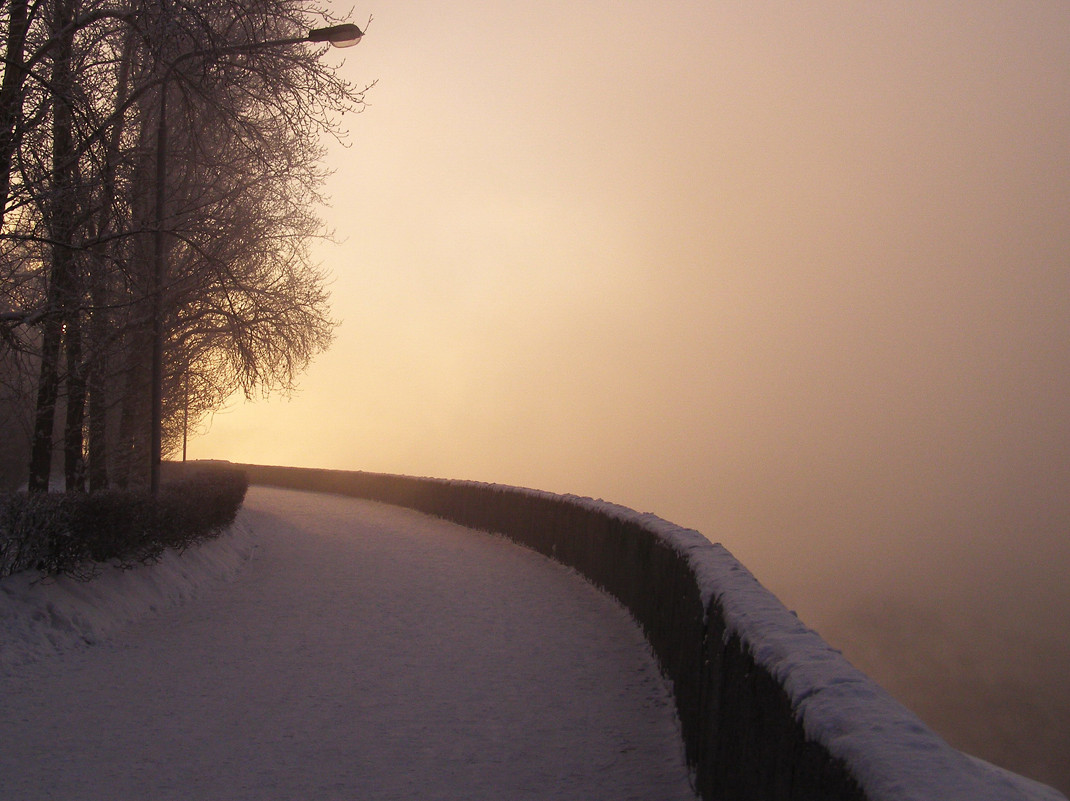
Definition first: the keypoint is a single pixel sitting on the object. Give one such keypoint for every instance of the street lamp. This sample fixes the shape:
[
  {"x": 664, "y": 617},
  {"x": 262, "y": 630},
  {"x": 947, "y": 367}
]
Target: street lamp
[
  {"x": 345, "y": 35},
  {"x": 338, "y": 35}
]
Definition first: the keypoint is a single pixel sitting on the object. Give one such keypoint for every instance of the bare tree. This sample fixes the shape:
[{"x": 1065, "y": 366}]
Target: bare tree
[
  {"x": 11, "y": 93},
  {"x": 62, "y": 282},
  {"x": 243, "y": 308}
]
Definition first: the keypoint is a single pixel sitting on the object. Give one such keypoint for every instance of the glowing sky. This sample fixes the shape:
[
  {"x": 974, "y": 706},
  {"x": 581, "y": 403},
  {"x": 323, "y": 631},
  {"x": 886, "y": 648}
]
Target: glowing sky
[{"x": 793, "y": 274}]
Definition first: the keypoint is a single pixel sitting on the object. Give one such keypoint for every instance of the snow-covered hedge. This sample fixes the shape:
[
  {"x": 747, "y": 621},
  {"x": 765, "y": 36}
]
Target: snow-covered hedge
[
  {"x": 768, "y": 710},
  {"x": 73, "y": 533}
]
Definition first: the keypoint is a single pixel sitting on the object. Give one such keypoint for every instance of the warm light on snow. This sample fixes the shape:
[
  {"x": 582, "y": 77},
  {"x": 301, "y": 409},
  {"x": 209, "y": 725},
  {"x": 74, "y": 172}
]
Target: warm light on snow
[{"x": 365, "y": 652}]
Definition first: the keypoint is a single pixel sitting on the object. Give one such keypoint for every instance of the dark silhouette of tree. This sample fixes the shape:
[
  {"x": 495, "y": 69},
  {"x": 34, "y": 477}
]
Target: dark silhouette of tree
[{"x": 242, "y": 307}]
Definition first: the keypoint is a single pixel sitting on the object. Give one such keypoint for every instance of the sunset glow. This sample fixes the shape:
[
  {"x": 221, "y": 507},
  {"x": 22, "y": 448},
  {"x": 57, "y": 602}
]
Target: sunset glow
[{"x": 781, "y": 273}]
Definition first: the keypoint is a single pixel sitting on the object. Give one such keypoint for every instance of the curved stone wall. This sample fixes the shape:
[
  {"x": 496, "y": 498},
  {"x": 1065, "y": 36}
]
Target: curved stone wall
[{"x": 768, "y": 710}]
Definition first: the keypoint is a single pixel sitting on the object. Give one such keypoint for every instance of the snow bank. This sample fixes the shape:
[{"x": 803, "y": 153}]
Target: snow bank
[{"x": 42, "y": 615}]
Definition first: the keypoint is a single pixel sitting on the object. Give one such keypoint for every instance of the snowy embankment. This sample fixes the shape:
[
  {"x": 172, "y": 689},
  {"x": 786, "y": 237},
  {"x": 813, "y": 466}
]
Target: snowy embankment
[
  {"x": 45, "y": 616},
  {"x": 366, "y": 652},
  {"x": 768, "y": 709}
]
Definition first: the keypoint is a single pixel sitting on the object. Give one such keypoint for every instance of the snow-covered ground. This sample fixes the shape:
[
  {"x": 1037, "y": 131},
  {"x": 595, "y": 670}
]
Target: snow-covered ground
[{"x": 332, "y": 648}]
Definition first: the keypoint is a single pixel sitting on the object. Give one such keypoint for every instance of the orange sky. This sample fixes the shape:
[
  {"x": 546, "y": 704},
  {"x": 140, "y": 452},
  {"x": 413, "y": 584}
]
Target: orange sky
[{"x": 794, "y": 274}]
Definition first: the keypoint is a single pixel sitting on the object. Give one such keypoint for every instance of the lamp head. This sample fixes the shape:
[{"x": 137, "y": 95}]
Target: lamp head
[{"x": 345, "y": 35}]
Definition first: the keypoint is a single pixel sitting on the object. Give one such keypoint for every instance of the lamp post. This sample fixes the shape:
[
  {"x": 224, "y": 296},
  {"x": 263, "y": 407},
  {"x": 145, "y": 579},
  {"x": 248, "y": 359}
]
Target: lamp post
[{"x": 345, "y": 35}]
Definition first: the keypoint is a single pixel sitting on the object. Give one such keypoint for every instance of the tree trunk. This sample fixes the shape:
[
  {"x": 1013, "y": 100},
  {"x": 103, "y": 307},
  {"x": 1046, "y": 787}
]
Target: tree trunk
[
  {"x": 132, "y": 463},
  {"x": 11, "y": 95},
  {"x": 97, "y": 463},
  {"x": 47, "y": 392},
  {"x": 60, "y": 284},
  {"x": 74, "y": 437},
  {"x": 99, "y": 328}
]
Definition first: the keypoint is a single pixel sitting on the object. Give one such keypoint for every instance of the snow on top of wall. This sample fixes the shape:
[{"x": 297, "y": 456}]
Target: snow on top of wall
[{"x": 890, "y": 751}]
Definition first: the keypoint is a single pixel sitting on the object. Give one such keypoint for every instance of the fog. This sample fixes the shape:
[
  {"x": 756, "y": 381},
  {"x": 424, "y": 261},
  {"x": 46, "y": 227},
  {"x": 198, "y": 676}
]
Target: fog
[{"x": 795, "y": 275}]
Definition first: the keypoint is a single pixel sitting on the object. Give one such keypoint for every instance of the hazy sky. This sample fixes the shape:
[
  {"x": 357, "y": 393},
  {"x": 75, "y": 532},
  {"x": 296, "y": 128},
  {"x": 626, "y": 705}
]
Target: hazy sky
[{"x": 794, "y": 274}]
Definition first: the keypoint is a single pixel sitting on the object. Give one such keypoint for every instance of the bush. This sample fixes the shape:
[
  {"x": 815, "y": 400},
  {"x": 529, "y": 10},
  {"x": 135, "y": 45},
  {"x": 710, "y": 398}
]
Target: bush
[
  {"x": 73, "y": 533},
  {"x": 35, "y": 530}
]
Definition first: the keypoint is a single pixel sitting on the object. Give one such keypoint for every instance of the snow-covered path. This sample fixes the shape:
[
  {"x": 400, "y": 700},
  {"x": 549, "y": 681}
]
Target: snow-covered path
[{"x": 366, "y": 652}]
